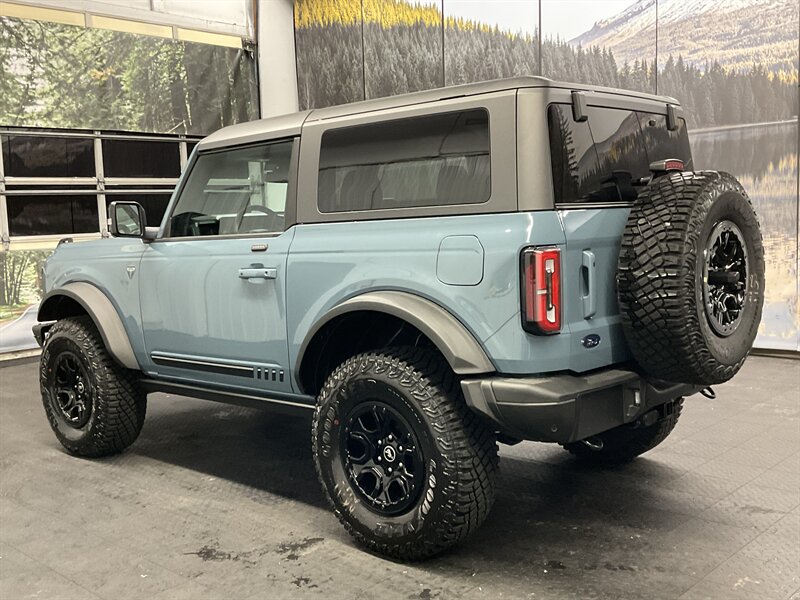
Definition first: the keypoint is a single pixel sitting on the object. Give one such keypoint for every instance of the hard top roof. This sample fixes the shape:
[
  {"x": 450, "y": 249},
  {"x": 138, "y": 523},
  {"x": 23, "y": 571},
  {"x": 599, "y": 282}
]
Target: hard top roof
[{"x": 290, "y": 124}]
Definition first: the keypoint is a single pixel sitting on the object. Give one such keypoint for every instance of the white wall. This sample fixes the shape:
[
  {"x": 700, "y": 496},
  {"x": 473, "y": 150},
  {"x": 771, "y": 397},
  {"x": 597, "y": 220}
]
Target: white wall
[{"x": 277, "y": 71}]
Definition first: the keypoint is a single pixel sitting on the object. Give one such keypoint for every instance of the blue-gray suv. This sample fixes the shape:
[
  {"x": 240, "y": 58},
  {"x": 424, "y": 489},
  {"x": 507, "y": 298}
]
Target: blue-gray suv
[{"x": 429, "y": 274}]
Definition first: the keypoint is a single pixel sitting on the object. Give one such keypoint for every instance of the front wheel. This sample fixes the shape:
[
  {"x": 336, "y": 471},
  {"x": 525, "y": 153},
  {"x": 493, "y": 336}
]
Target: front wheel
[
  {"x": 94, "y": 406},
  {"x": 408, "y": 469}
]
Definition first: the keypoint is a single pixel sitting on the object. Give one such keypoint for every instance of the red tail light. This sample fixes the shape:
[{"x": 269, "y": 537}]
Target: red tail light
[{"x": 541, "y": 290}]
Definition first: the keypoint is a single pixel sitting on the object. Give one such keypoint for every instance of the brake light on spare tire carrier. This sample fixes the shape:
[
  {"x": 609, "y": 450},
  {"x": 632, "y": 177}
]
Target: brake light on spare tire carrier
[{"x": 541, "y": 290}]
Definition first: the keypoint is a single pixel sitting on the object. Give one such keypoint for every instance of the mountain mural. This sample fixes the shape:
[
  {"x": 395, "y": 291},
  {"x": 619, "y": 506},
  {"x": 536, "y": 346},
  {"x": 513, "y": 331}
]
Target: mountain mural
[{"x": 736, "y": 34}]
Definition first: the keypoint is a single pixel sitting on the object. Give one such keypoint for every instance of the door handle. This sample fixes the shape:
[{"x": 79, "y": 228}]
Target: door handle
[
  {"x": 258, "y": 273},
  {"x": 588, "y": 281}
]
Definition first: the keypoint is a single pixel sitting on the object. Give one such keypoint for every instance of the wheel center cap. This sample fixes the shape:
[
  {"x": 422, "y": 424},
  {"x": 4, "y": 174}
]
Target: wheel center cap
[
  {"x": 80, "y": 387},
  {"x": 389, "y": 454}
]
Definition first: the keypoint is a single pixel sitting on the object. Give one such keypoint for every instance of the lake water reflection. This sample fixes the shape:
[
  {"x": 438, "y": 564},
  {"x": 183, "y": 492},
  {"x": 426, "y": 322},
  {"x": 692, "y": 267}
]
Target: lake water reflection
[{"x": 764, "y": 159}]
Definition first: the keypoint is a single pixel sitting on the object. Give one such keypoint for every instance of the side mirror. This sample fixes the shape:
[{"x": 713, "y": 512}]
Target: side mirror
[{"x": 127, "y": 219}]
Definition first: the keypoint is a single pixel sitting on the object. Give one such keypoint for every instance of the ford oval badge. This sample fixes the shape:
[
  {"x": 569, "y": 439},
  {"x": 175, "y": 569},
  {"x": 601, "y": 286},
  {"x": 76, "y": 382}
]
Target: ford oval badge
[{"x": 590, "y": 341}]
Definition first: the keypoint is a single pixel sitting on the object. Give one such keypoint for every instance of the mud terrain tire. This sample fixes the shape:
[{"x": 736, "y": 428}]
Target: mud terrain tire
[
  {"x": 690, "y": 280},
  {"x": 94, "y": 406},
  {"x": 455, "y": 472}
]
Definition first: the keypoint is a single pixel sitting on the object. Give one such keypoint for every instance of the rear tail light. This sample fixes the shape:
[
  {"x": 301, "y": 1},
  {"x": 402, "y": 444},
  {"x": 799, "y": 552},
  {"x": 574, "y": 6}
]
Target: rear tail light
[{"x": 541, "y": 290}]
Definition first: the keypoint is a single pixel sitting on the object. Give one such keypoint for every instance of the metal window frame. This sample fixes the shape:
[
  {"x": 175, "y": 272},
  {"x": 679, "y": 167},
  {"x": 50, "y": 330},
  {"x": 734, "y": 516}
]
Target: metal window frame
[{"x": 99, "y": 185}]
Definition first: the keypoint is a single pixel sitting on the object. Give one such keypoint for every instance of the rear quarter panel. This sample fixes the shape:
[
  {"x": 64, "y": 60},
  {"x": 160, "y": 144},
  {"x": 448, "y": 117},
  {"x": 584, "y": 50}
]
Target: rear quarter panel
[{"x": 332, "y": 262}]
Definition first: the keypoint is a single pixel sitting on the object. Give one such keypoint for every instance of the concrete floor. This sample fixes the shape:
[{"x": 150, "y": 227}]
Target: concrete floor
[{"x": 221, "y": 502}]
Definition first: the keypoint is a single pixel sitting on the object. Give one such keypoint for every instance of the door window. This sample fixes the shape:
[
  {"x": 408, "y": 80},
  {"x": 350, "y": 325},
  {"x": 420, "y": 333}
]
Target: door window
[{"x": 236, "y": 191}]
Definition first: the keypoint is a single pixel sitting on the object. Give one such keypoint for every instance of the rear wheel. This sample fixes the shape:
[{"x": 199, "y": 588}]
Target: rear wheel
[
  {"x": 624, "y": 443},
  {"x": 407, "y": 468},
  {"x": 94, "y": 406}
]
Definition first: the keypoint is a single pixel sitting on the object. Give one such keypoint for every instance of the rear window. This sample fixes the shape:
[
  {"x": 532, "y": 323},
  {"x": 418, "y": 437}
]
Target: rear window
[
  {"x": 607, "y": 157},
  {"x": 435, "y": 160},
  {"x": 662, "y": 143}
]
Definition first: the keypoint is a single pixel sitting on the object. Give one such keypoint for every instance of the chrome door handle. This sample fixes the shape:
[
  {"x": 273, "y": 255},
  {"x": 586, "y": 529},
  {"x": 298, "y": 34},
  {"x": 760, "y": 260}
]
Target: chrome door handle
[{"x": 258, "y": 273}]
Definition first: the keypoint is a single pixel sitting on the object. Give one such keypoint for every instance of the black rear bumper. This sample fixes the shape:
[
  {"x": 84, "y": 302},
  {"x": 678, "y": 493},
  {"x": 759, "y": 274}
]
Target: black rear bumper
[{"x": 568, "y": 407}]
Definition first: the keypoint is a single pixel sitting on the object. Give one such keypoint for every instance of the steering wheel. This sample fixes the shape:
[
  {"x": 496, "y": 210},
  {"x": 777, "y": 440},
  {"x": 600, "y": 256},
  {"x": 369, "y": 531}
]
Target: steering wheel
[{"x": 255, "y": 208}]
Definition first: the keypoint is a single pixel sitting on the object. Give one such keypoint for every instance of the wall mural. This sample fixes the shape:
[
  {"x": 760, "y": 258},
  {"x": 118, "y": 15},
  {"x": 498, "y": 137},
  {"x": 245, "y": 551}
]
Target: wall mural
[
  {"x": 65, "y": 76},
  {"x": 739, "y": 86}
]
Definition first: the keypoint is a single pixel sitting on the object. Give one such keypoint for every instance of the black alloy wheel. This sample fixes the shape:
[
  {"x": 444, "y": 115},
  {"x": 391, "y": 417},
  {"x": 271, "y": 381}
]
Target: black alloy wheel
[
  {"x": 690, "y": 278},
  {"x": 382, "y": 457},
  {"x": 94, "y": 405},
  {"x": 725, "y": 280},
  {"x": 408, "y": 469},
  {"x": 71, "y": 389}
]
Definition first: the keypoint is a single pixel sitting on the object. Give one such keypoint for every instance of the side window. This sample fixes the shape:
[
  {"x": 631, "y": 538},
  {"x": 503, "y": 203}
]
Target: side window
[
  {"x": 599, "y": 160},
  {"x": 434, "y": 160},
  {"x": 234, "y": 192},
  {"x": 662, "y": 143}
]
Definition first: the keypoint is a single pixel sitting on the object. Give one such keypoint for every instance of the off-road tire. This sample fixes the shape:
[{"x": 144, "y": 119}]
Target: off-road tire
[
  {"x": 624, "y": 443},
  {"x": 118, "y": 404},
  {"x": 459, "y": 450},
  {"x": 660, "y": 278}
]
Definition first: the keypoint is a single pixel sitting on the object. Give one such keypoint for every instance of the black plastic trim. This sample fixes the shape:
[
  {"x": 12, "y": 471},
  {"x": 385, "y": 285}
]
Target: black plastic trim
[
  {"x": 203, "y": 365},
  {"x": 228, "y": 397},
  {"x": 566, "y": 407}
]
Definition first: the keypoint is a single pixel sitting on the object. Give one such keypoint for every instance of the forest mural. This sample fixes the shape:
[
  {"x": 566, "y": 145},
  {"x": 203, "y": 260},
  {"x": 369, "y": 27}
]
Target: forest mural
[
  {"x": 56, "y": 75},
  {"x": 732, "y": 64}
]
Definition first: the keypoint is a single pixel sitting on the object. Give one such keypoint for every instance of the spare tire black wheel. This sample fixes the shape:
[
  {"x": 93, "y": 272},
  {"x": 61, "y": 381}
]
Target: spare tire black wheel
[{"x": 691, "y": 277}]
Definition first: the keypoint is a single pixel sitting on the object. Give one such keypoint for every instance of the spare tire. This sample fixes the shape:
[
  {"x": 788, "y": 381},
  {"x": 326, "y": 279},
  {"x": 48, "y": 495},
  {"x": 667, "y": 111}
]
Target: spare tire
[{"x": 690, "y": 281}]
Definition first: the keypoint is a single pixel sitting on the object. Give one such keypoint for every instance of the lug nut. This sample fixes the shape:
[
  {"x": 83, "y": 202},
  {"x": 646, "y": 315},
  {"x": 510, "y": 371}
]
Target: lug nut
[
  {"x": 390, "y": 469},
  {"x": 400, "y": 465}
]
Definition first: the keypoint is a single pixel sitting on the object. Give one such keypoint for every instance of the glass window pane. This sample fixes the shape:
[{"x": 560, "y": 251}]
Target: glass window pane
[
  {"x": 234, "y": 191},
  {"x": 621, "y": 153},
  {"x": 599, "y": 160},
  {"x": 32, "y": 156},
  {"x": 572, "y": 155},
  {"x": 433, "y": 160},
  {"x": 141, "y": 158},
  {"x": 155, "y": 205},
  {"x": 52, "y": 214},
  {"x": 662, "y": 143}
]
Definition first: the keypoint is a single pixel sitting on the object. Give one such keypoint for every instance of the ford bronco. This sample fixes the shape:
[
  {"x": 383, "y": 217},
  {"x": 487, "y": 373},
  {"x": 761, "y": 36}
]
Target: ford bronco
[{"x": 428, "y": 274}]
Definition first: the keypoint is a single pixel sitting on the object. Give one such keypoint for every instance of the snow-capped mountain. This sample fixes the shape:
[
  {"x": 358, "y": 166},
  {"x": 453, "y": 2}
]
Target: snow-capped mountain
[{"x": 737, "y": 33}]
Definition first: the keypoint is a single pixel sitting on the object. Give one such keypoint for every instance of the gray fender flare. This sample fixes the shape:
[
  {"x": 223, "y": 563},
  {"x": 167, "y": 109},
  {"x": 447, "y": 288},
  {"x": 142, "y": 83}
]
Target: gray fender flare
[
  {"x": 458, "y": 346},
  {"x": 101, "y": 311}
]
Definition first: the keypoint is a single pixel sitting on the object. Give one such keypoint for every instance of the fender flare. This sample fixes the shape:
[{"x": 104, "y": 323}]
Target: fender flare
[
  {"x": 101, "y": 311},
  {"x": 458, "y": 346}
]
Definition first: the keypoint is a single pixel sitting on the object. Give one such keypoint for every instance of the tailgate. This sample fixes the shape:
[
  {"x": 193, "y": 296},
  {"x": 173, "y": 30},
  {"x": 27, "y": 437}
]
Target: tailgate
[{"x": 589, "y": 269}]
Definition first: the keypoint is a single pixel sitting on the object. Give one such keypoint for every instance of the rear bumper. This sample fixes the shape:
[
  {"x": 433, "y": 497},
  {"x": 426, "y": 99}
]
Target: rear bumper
[{"x": 567, "y": 407}]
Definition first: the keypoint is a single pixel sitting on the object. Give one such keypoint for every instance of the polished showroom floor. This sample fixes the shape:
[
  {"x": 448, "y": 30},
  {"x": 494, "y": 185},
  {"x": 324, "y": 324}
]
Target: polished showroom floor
[{"x": 221, "y": 502}]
